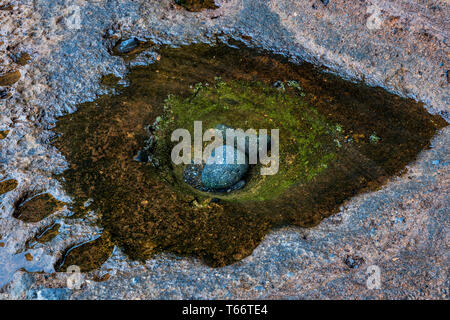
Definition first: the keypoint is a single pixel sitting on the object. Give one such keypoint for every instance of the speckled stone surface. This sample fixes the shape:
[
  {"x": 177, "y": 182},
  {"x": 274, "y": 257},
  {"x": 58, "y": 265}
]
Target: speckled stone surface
[
  {"x": 402, "y": 228},
  {"x": 224, "y": 168}
]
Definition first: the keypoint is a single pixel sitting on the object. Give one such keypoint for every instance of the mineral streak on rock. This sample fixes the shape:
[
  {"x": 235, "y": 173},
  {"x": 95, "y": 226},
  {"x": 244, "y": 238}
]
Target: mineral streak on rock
[{"x": 36, "y": 208}]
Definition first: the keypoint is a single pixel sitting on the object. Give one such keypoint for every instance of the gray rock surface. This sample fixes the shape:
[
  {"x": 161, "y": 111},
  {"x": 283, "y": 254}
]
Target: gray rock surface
[
  {"x": 224, "y": 168},
  {"x": 402, "y": 228},
  {"x": 49, "y": 294}
]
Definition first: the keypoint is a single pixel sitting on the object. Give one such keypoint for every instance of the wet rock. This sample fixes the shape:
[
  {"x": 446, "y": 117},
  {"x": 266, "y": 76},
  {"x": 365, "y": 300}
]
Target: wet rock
[
  {"x": 215, "y": 200},
  {"x": 126, "y": 46},
  {"x": 146, "y": 154},
  {"x": 239, "y": 185},
  {"x": 279, "y": 85},
  {"x": 218, "y": 174},
  {"x": 130, "y": 48},
  {"x": 192, "y": 175},
  {"x": 9, "y": 78}
]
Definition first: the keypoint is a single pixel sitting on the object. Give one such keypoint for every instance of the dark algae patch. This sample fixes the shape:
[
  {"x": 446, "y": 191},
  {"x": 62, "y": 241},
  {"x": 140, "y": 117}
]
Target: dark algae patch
[
  {"x": 197, "y": 5},
  {"x": 109, "y": 80},
  {"x": 7, "y": 185},
  {"x": 44, "y": 236},
  {"x": 88, "y": 256},
  {"x": 22, "y": 59},
  {"x": 36, "y": 208},
  {"x": 337, "y": 139},
  {"x": 3, "y": 134},
  {"x": 8, "y": 79}
]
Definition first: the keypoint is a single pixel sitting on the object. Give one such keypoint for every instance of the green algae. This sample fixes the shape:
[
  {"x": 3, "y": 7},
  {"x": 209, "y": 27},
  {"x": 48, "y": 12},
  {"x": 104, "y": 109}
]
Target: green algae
[{"x": 146, "y": 210}]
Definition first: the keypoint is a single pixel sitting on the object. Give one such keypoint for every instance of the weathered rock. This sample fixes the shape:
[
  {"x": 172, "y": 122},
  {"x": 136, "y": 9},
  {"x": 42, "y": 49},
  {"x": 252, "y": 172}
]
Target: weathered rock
[
  {"x": 4, "y": 94},
  {"x": 49, "y": 294}
]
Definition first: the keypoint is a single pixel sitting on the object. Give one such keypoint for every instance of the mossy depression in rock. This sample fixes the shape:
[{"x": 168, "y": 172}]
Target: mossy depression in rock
[
  {"x": 307, "y": 141},
  {"x": 337, "y": 139}
]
